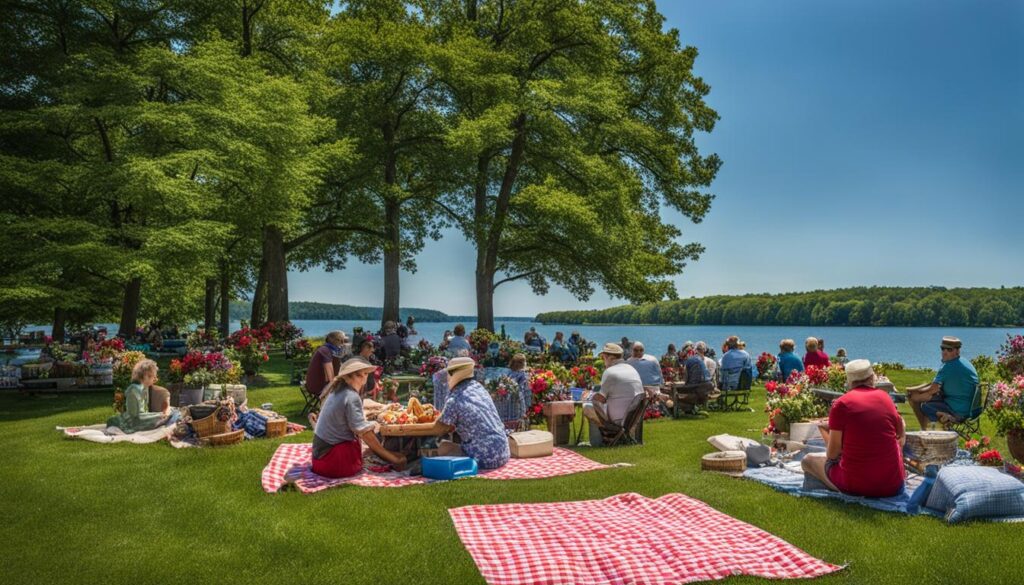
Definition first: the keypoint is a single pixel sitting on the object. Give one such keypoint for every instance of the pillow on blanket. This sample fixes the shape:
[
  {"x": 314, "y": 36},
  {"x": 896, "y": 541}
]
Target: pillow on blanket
[{"x": 970, "y": 491}]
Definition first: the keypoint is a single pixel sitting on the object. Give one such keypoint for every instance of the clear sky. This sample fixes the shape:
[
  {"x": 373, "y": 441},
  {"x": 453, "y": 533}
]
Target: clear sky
[{"x": 865, "y": 142}]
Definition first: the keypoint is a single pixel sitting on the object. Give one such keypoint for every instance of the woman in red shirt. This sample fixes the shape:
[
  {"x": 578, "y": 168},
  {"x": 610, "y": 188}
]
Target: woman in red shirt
[
  {"x": 865, "y": 438},
  {"x": 813, "y": 357}
]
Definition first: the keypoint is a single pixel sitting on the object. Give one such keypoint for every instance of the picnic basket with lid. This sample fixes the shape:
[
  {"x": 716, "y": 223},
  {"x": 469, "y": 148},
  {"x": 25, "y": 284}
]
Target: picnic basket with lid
[
  {"x": 931, "y": 446},
  {"x": 733, "y": 462},
  {"x": 211, "y": 425},
  {"x": 277, "y": 425}
]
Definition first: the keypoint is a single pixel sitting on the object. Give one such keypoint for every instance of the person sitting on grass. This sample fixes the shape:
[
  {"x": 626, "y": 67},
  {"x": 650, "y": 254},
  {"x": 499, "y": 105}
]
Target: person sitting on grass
[
  {"x": 470, "y": 411},
  {"x": 788, "y": 361},
  {"x": 341, "y": 426},
  {"x": 136, "y": 416},
  {"x": 950, "y": 396},
  {"x": 864, "y": 438}
]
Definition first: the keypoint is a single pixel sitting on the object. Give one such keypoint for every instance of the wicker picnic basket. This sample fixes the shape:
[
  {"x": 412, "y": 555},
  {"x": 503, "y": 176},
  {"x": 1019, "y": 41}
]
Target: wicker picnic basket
[
  {"x": 931, "y": 446},
  {"x": 734, "y": 462},
  {"x": 277, "y": 425},
  {"x": 211, "y": 425},
  {"x": 222, "y": 439}
]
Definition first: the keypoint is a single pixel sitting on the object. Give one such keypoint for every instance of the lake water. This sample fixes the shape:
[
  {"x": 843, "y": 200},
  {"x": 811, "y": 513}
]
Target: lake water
[{"x": 912, "y": 346}]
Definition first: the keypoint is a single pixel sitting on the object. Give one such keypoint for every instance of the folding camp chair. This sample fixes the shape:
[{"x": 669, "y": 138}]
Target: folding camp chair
[
  {"x": 970, "y": 425},
  {"x": 312, "y": 400},
  {"x": 702, "y": 392},
  {"x": 630, "y": 432},
  {"x": 739, "y": 398}
]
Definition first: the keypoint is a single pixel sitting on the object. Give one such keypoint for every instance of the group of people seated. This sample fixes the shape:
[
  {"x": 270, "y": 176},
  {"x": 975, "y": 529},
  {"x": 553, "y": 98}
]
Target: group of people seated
[
  {"x": 864, "y": 435},
  {"x": 468, "y": 414}
]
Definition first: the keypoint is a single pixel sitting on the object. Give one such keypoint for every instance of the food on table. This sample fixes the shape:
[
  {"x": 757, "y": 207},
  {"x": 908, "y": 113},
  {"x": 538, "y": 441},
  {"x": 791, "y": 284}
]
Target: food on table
[{"x": 415, "y": 412}]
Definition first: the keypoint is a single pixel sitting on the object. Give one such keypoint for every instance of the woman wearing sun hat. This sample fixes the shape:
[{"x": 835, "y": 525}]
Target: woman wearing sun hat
[
  {"x": 337, "y": 450},
  {"x": 865, "y": 438},
  {"x": 470, "y": 411}
]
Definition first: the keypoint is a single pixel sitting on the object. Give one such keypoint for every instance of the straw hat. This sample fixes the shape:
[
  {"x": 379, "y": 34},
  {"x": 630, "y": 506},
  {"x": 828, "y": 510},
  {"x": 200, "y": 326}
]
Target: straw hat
[
  {"x": 353, "y": 365},
  {"x": 459, "y": 369},
  {"x": 858, "y": 370},
  {"x": 950, "y": 343},
  {"x": 612, "y": 349}
]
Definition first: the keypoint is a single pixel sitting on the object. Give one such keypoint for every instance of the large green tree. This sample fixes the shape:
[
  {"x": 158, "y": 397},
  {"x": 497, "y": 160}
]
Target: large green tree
[{"x": 573, "y": 126}]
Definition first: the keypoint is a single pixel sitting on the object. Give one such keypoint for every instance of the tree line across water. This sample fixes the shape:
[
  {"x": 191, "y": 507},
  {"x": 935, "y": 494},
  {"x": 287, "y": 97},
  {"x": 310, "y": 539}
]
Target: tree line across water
[
  {"x": 159, "y": 160},
  {"x": 863, "y": 306}
]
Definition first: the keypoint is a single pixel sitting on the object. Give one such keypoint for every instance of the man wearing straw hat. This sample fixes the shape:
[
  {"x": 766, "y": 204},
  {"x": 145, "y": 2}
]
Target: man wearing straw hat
[
  {"x": 950, "y": 396},
  {"x": 620, "y": 382},
  {"x": 470, "y": 411},
  {"x": 341, "y": 427}
]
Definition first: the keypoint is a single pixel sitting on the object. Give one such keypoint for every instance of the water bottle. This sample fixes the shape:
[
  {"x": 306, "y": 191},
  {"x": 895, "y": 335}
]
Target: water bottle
[{"x": 920, "y": 495}]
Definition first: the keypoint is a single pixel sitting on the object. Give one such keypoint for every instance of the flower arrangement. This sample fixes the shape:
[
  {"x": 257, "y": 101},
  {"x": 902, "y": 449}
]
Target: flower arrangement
[
  {"x": 123, "y": 367},
  {"x": 1007, "y": 407},
  {"x": 992, "y": 457},
  {"x": 433, "y": 365},
  {"x": 976, "y": 446},
  {"x": 836, "y": 378},
  {"x": 816, "y": 376},
  {"x": 201, "y": 369},
  {"x": 250, "y": 347},
  {"x": 110, "y": 348},
  {"x": 765, "y": 365},
  {"x": 584, "y": 376},
  {"x": 789, "y": 402},
  {"x": 545, "y": 386},
  {"x": 479, "y": 339},
  {"x": 504, "y": 388},
  {"x": 281, "y": 331}
]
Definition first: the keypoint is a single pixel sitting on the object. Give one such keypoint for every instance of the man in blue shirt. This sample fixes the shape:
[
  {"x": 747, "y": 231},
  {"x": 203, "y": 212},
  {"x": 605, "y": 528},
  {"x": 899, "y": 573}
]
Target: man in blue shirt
[
  {"x": 648, "y": 367},
  {"x": 950, "y": 396},
  {"x": 459, "y": 342},
  {"x": 733, "y": 363},
  {"x": 788, "y": 361}
]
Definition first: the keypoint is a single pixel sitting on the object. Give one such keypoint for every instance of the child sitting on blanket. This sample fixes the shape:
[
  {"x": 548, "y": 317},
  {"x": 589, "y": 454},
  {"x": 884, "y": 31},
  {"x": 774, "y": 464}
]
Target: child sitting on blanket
[
  {"x": 864, "y": 438},
  {"x": 136, "y": 416},
  {"x": 337, "y": 450}
]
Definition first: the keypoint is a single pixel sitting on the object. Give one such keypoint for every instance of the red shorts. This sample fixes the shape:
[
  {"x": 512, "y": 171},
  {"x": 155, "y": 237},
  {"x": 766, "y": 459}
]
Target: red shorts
[{"x": 343, "y": 460}]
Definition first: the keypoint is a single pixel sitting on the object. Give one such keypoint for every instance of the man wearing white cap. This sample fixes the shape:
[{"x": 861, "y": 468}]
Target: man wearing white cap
[
  {"x": 470, "y": 411},
  {"x": 864, "y": 438},
  {"x": 619, "y": 384}
]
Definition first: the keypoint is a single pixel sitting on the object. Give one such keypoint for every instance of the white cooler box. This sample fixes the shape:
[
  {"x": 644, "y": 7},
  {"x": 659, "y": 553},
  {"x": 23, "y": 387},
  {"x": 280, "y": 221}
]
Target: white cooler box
[{"x": 528, "y": 444}]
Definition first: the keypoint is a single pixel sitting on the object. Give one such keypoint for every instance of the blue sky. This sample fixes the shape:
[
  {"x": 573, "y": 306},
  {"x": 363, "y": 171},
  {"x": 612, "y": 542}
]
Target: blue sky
[{"x": 868, "y": 142}]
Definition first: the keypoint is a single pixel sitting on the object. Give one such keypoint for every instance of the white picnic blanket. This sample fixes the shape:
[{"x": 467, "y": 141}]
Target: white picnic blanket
[{"x": 101, "y": 433}]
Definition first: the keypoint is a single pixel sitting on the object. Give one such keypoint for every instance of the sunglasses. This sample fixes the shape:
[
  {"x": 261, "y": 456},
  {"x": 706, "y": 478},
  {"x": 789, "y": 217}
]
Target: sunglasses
[{"x": 946, "y": 348}]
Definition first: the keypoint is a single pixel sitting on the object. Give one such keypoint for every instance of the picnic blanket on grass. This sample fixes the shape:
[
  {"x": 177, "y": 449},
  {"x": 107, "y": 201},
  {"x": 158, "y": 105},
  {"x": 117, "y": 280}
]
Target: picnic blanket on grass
[
  {"x": 297, "y": 458},
  {"x": 791, "y": 480},
  {"x": 623, "y": 539},
  {"x": 101, "y": 433}
]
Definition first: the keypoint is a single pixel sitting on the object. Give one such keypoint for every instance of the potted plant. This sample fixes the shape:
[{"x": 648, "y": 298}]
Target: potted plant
[{"x": 790, "y": 402}]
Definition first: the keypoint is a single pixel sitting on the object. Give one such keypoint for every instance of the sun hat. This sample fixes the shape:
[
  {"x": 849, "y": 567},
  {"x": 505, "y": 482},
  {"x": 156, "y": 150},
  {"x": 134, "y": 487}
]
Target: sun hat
[
  {"x": 353, "y": 365},
  {"x": 950, "y": 343},
  {"x": 858, "y": 370},
  {"x": 612, "y": 349},
  {"x": 460, "y": 362}
]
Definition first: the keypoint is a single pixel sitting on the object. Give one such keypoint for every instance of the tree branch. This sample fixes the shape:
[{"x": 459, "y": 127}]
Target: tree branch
[{"x": 516, "y": 277}]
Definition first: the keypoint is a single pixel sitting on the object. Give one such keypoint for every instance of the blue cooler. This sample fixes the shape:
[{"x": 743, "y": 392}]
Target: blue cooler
[
  {"x": 448, "y": 467},
  {"x": 577, "y": 394}
]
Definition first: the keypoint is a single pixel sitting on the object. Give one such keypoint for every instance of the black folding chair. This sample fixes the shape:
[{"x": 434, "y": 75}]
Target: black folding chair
[
  {"x": 970, "y": 425},
  {"x": 738, "y": 398},
  {"x": 692, "y": 396},
  {"x": 312, "y": 400},
  {"x": 630, "y": 432}
]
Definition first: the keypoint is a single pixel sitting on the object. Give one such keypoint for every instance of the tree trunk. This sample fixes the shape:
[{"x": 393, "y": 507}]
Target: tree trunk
[
  {"x": 246, "y": 30},
  {"x": 485, "y": 299},
  {"x": 259, "y": 295},
  {"x": 57, "y": 333},
  {"x": 130, "y": 308},
  {"x": 392, "y": 262},
  {"x": 225, "y": 300},
  {"x": 210, "y": 306},
  {"x": 277, "y": 274}
]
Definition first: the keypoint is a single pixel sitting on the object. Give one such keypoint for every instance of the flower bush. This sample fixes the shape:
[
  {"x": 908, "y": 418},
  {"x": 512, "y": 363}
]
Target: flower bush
[
  {"x": 249, "y": 346},
  {"x": 1011, "y": 357},
  {"x": 836, "y": 378},
  {"x": 991, "y": 457},
  {"x": 765, "y": 365},
  {"x": 789, "y": 402},
  {"x": 976, "y": 446},
  {"x": 479, "y": 339},
  {"x": 584, "y": 376},
  {"x": 433, "y": 365},
  {"x": 110, "y": 348},
  {"x": 1007, "y": 407},
  {"x": 504, "y": 388},
  {"x": 201, "y": 369},
  {"x": 816, "y": 376},
  {"x": 123, "y": 367},
  {"x": 281, "y": 331},
  {"x": 200, "y": 340},
  {"x": 298, "y": 349}
]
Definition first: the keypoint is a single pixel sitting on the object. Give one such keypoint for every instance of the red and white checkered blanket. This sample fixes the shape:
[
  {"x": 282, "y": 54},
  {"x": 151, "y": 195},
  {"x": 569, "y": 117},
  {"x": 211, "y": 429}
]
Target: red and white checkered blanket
[
  {"x": 298, "y": 456},
  {"x": 623, "y": 539}
]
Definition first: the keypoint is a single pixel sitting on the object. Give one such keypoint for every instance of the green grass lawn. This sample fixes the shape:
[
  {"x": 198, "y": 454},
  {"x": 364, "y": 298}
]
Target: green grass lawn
[{"x": 80, "y": 512}]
